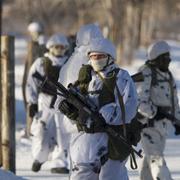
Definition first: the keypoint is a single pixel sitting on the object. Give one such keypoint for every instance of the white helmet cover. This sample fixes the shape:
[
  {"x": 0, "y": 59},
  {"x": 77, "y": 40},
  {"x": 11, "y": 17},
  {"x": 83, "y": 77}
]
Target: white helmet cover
[
  {"x": 57, "y": 39},
  {"x": 35, "y": 27},
  {"x": 157, "y": 49},
  {"x": 88, "y": 32},
  {"x": 102, "y": 46}
]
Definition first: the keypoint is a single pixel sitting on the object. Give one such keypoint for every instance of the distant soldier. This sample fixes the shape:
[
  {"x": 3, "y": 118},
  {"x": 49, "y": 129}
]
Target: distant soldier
[
  {"x": 72, "y": 44},
  {"x": 45, "y": 126},
  {"x": 36, "y": 48},
  {"x": 158, "y": 110}
]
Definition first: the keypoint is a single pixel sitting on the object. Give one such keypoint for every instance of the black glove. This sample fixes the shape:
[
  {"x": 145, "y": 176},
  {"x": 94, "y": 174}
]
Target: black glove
[
  {"x": 85, "y": 74},
  {"x": 52, "y": 72},
  {"x": 68, "y": 109},
  {"x": 159, "y": 116},
  {"x": 177, "y": 129},
  {"x": 33, "y": 109},
  {"x": 98, "y": 124},
  {"x": 139, "y": 116}
]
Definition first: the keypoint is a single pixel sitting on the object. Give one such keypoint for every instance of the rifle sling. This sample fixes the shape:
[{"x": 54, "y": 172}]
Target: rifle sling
[
  {"x": 133, "y": 162},
  {"x": 120, "y": 98}
]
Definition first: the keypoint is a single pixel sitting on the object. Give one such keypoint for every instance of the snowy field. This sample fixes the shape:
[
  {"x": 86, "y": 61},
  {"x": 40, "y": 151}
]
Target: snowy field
[{"x": 23, "y": 146}]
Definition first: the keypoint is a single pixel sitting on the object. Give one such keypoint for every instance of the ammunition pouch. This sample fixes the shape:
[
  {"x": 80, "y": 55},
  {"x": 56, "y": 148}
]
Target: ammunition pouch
[{"x": 117, "y": 149}]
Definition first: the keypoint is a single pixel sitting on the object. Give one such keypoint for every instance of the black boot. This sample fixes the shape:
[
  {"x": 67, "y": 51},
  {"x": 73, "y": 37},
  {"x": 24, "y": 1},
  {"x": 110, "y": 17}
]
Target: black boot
[
  {"x": 60, "y": 170},
  {"x": 36, "y": 166}
]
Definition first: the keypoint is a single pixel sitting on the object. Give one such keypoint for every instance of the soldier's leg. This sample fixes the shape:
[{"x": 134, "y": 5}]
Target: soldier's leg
[
  {"x": 59, "y": 162},
  {"x": 88, "y": 153},
  {"x": 113, "y": 170},
  {"x": 153, "y": 143},
  {"x": 42, "y": 141},
  {"x": 158, "y": 168},
  {"x": 145, "y": 173},
  {"x": 29, "y": 121},
  {"x": 84, "y": 171}
]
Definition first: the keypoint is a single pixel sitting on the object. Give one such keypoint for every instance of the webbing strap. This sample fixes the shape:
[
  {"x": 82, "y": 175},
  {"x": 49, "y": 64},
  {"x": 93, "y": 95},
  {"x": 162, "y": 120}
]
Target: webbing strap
[
  {"x": 120, "y": 99},
  {"x": 170, "y": 80},
  {"x": 133, "y": 162},
  {"x": 172, "y": 93}
]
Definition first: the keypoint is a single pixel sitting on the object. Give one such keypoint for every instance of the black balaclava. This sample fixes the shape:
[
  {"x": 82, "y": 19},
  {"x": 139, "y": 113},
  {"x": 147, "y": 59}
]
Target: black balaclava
[{"x": 162, "y": 62}]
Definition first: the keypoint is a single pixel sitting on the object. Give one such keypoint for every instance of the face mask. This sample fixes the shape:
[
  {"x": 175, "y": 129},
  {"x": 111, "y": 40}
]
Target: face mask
[
  {"x": 99, "y": 64},
  {"x": 57, "y": 51}
]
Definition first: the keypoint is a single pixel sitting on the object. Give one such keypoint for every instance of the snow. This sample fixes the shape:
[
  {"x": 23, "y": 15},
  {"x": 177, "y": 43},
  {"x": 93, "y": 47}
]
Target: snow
[{"x": 23, "y": 145}]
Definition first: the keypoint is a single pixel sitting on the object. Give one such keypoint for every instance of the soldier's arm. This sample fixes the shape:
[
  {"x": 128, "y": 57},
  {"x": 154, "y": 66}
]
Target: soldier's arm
[
  {"x": 32, "y": 83},
  {"x": 146, "y": 107}
]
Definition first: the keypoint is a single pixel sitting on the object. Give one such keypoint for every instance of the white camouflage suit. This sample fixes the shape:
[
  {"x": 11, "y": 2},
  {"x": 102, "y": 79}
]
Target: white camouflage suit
[
  {"x": 87, "y": 150},
  {"x": 153, "y": 138},
  {"x": 46, "y": 133}
]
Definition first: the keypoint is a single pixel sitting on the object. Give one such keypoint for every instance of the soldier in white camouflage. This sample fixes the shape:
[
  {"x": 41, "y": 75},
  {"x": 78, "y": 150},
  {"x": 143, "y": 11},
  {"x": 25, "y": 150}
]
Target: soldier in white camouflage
[
  {"x": 47, "y": 135},
  {"x": 158, "y": 110}
]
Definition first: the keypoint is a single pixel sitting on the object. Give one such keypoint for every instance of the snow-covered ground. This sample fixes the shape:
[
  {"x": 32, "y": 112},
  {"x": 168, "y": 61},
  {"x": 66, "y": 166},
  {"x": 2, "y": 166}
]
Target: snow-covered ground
[{"x": 23, "y": 146}]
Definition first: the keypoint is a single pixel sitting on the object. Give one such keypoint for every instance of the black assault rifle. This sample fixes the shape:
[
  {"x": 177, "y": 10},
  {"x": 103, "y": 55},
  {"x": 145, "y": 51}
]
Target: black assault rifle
[{"x": 83, "y": 105}]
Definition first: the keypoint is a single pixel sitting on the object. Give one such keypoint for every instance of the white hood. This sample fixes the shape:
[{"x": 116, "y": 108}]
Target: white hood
[{"x": 86, "y": 33}]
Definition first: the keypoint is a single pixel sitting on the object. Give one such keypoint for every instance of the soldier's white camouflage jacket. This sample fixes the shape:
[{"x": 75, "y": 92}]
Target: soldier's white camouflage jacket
[
  {"x": 151, "y": 95},
  {"x": 89, "y": 148},
  {"x": 33, "y": 84}
]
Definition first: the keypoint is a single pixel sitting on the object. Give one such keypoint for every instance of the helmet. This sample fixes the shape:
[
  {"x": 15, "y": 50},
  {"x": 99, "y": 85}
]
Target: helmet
[
  {"x": 157, "y": 49},
  {"x": 35, "y": 27},
  {"x": 88, "y": 32},
  {"x": 57, "y": 39},
  {"x": 102, "y": 46}
]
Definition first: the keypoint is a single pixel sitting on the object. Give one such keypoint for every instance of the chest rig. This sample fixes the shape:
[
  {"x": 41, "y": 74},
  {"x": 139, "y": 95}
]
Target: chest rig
[
  {"x": 109, "y": 83},
  {"x": 155, "y": 81},
  {"x": 52, "y": 73}
]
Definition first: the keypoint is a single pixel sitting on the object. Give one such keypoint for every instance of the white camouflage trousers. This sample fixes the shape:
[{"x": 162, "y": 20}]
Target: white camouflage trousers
[
  {"x": 153, "y": 142},
  {"x": 48, "y": 140},
  {"x": 89, "y": 159}
]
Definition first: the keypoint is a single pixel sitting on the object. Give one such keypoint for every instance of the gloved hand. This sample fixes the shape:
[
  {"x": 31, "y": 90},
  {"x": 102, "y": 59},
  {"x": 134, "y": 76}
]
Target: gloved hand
[
  {"x": 52, "y": 72},
  {"x": 159, "y": 116},
  {"x": 68, "y": 109},
  {"x": 139, "y": 116},
  {"x": 33, "y": 109},
  {"x": 85, "y": 74},
  {"x": 177, "y": 129},
  {"x": 98, "y": 124}
]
